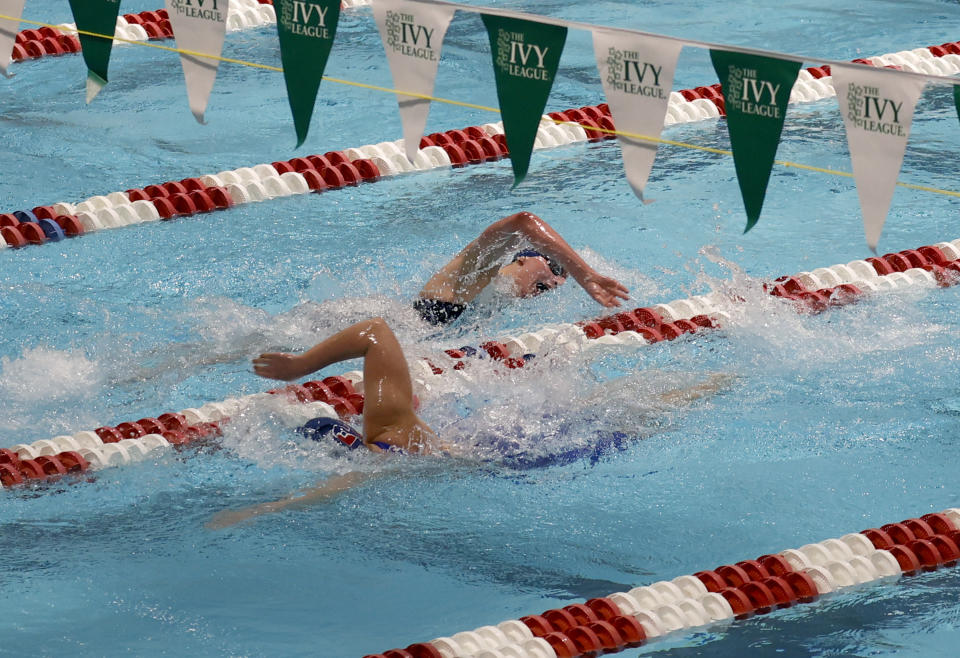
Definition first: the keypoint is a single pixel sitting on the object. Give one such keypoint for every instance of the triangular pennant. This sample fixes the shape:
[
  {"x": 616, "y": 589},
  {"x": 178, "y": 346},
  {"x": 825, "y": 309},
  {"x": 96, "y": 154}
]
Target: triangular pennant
[
  {"x": 956, "y": 99},
  {"x": 199, "y": 26},
  {"x": 877, "y": 107},
  {"x": 637, "y": 74},
  {"x": 8, "y": 32},
  {"x": 756, "y": 91},
  {"x": 306, "y": 29},
  {"x": 526, "y": 55},
  {"x": 99, "y": 17},
  {"x": 412, "y": 35}
]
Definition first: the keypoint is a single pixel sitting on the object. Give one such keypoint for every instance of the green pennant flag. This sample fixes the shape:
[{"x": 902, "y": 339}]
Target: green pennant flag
[
  {"x": 956, "y": 99},
  {"x": 526, "y": 55},
  {"x": 306, "y": 29},
  {"x": 756, "y": 91},
  {"x": 100, "y": 17}
]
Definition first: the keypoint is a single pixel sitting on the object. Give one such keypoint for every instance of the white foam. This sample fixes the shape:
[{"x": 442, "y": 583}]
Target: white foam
[{"x": 42, "y": 373}]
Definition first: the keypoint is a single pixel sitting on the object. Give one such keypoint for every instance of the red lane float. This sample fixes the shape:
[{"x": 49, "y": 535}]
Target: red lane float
[
  {"x": 929, "y": 258},
  {"x": 337, "y": 391},
  {"x": 14, "y": 470},
  {"x": 750, "y": 587}
]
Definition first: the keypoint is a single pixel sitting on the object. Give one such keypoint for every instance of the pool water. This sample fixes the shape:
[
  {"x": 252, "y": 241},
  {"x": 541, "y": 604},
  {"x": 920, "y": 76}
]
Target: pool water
[{"x": 831, "y": 423}]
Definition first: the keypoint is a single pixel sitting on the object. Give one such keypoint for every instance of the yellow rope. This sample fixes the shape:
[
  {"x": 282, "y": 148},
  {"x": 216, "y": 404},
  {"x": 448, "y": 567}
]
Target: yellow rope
[{"x": 448, "y": 101}]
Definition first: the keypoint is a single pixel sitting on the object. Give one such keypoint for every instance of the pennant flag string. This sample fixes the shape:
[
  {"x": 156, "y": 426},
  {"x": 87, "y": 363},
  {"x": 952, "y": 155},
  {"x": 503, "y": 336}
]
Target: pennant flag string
[
  {"x": 939, "y": 79},
  {"x": 486, "y": 108},
  {"x": 822, "y": 61},
  {"x": 590, "y": 27}
]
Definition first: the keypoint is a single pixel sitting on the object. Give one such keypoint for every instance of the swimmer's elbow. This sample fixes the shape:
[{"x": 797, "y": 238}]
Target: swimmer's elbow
[
  {"x": 521, "y": 222},
  {"x": 526, "y": 221},
  {"x": 377, "y": 325}
]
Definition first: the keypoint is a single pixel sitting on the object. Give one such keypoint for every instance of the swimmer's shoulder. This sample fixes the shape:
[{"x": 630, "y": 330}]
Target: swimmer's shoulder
[{"x": 413, "y": 436}]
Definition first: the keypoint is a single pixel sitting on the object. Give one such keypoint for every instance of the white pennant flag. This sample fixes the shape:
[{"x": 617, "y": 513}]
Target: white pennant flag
[
  {"x": 637, "y": 75},
  {"x": 412, "y": 35},
  {"x": 8, "y": 32},
  {"x": 877, "y": 107},
  {"x": 199, "y": 26}
]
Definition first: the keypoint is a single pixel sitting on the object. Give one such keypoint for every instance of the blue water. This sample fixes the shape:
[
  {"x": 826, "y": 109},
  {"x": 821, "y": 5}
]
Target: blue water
[{"x": 832, "y": 423}]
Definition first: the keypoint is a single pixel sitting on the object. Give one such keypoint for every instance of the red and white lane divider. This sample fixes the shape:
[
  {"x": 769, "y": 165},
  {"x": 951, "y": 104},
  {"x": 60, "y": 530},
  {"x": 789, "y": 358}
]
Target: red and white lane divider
[
  {"x": 127, "y": 442},
  {"x": 457, "y": 148},
  {"x": 342, "y": 396},
  {"x": 811, "y": 292},
  {"x": 733, "y": 591}
]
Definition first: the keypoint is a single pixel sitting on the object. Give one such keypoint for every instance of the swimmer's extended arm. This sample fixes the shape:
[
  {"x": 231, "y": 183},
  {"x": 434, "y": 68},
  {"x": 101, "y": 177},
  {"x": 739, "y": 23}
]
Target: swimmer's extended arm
[
  {"x": 714, "y": 383},
  {"x": 472, "y": 270},
  {"x": 324, "y": 491}
]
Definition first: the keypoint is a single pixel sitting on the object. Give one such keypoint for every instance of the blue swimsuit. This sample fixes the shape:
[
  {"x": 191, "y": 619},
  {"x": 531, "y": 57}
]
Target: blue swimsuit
[
  {"x": 438, "y": 312},
  {"x": 508, "y": 451},
  {"x": 513, "y": 456}
]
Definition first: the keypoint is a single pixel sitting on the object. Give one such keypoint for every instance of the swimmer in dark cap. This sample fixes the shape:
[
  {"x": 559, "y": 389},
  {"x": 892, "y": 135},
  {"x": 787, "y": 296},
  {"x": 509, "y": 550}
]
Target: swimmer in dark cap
[{"x": 531, "y": 272}]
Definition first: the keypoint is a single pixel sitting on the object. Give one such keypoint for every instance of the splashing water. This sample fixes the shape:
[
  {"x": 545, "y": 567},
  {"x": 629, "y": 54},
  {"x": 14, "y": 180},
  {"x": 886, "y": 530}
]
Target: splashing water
[
  {"x": 43, "y": 374},
  {"x": 49, "y": 382}
]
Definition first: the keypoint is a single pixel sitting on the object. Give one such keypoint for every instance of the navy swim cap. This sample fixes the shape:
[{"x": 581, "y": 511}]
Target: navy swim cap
[
  {"x": 318, "y": 429},
  {"x": 555, "y": 267}
]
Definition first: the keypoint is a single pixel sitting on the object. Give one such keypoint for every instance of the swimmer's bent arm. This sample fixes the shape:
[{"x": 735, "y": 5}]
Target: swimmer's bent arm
[
  {"x": 471, "y": 270},
  {"x": 605, "y": 290},
  {"x": 388, "y": 413}
]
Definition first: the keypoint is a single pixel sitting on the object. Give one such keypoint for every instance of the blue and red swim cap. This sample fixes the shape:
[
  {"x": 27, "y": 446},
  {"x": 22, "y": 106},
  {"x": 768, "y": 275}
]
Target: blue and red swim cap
[{"x": 318, "y": 429}]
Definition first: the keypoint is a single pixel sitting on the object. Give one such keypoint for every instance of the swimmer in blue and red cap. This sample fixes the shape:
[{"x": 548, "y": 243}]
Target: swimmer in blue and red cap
[
  {"x": 542, "y": 260},
  {"x": 390, "y": 422}
]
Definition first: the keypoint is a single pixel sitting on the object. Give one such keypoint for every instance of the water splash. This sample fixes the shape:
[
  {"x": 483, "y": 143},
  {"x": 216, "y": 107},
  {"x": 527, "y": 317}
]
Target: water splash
[
  {"x": 43, "y": 373},
  {"x": 48, "y": 383}
]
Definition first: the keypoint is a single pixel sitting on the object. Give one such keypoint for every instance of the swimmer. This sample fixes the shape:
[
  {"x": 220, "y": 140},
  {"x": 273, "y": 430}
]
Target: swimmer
[
  {"x": 390, "y": 423},
  {"x": 532, "y": 271}
]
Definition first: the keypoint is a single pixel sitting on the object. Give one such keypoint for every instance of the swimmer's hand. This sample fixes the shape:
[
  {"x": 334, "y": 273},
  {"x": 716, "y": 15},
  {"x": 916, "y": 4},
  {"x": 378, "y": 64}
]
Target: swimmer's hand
[
  {"x": 606, "y": 290},
  {"x": 278, "y": 365}
]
